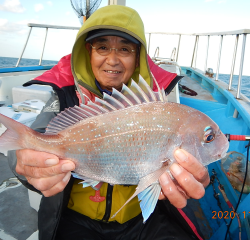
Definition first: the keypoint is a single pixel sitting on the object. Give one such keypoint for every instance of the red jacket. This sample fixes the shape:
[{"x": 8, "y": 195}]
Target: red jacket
[
  {"x": 61, "y": 74},
  {"x": 61, "y": 79}
]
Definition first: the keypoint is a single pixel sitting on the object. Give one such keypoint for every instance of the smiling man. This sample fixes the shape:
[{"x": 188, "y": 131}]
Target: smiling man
[
  {"x": 123, "y": 52},
  {"x": 110, "y": 50}
]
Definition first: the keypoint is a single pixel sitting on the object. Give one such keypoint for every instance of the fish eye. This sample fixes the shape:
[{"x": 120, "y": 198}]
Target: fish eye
[
  {"x": 209, "y": 138},
  {"x": 209, "y": 135}
]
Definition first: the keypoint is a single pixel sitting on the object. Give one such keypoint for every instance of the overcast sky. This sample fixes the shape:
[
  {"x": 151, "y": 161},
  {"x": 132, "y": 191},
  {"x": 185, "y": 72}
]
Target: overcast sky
[{"x": 158, "y": 15}]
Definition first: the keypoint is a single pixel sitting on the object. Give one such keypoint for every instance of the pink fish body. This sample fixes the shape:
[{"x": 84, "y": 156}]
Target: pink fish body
[{"x": 127, "y": 138}]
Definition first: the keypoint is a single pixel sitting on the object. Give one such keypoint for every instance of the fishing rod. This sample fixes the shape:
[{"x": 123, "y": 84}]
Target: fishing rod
[{"x": 231, "y": 137}]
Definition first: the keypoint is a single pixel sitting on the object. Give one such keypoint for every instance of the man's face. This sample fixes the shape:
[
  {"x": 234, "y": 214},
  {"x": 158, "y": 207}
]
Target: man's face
[{"x": 112, "y": 70}]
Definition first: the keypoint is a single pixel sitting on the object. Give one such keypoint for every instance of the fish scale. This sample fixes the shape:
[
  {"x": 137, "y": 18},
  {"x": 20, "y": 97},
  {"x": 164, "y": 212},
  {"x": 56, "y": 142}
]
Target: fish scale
[
  {"x": 109, "y": 147},
  {"x": 126, "y": 138}
]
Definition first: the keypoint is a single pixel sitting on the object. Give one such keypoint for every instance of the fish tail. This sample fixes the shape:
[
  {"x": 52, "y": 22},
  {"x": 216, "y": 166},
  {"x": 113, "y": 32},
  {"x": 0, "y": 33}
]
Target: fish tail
[
  {"x": 12, "y": 138},
  {"x": 9, "y": 141}
]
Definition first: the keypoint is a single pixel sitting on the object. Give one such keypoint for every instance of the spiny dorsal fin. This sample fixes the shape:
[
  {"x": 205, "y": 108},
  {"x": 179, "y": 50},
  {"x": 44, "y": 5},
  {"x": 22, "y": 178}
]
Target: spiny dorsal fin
[
  {"x": 97, "y": 107},
  {"x": 113, "y": 101},
  {"x": 127, "y": 92},
  {"x": 121, "y": 98},
  {"x": 137, "y": 94},
  {"x": 104, "y": 104},
  {"x": 158, "y": 88},
  {"x": 90, "y": 110},
  {"x": 147, "y": 90},
  {"x": 164, "y": 95}
]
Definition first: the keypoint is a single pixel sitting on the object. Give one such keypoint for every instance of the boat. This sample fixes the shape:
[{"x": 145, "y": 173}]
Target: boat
[
  {"x": 230, "y": 109},
  {"x": 224, "y": 211}
]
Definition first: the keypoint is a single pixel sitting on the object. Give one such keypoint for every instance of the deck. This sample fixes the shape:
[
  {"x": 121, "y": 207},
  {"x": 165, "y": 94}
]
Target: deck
[{"x": 18, "y": 221}]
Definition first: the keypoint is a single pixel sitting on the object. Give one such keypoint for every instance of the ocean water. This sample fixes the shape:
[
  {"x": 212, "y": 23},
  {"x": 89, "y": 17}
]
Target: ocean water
[
  {"x": 11, "y": 62},
  {"x": 245, "y": 82}
]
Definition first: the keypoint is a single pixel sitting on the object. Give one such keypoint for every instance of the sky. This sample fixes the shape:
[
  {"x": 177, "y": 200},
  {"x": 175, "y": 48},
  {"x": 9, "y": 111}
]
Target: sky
[{"x": 158, "y": 15}]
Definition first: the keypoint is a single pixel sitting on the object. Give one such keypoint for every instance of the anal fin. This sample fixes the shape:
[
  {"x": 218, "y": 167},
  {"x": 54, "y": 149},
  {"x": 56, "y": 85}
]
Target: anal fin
[
  {"x": 148, "y": 199},
  {"x": 144, "y": 183}
]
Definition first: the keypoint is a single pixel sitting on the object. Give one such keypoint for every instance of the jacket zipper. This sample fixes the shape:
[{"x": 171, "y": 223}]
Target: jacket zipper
[{"x": 108, "y": 203}]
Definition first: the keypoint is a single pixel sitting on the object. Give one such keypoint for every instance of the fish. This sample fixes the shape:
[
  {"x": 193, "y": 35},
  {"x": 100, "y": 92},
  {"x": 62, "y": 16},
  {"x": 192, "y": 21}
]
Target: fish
[{"x": 128, "y": 138}]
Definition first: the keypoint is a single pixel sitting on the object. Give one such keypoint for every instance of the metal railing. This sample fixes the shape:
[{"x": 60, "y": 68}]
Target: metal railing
[
  {"x": 157, "y": 58},
  {"x": 242, "y": 32},
  {"x": 157, "y": 50},
  {"x": 31, "y": 25}
]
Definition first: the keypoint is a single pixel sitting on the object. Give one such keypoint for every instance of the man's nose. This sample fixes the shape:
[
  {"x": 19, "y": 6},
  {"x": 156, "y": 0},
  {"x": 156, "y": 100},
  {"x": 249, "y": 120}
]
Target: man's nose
[{"x": 112, "y": 57}]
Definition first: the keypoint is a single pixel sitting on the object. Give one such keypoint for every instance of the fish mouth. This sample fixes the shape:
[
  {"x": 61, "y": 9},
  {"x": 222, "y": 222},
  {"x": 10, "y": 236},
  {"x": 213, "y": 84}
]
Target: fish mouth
[
  {"x": 220, "y": 156},
  {"x": 217, "y": 157},
  {"x": 223, "y": 153}
]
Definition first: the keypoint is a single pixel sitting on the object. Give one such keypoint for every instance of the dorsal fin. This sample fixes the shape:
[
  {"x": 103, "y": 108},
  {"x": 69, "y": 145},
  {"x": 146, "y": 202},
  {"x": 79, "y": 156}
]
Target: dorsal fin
[
  {"x": 127, "y": 92},
  {"x": 67, "y": 117},
  {"x": 113, "y": 101},
  {"x": 121, "y": 98},
  {"x": 137, "y": 94},
  {"x": 74, "y": 114},
  {"x": 52, "y": 129},
  {"x": 164, "y": 95},
  {"x": 63, "y": 120},
  {"x": 158, "y": 88},
  {"x": 147, "y": 90},
  {"x": 97, "y": 107},
  {"x": 104, "y": 104},
  {"x": 90, "y": 110},
  {"x": 77, "y": 110}
]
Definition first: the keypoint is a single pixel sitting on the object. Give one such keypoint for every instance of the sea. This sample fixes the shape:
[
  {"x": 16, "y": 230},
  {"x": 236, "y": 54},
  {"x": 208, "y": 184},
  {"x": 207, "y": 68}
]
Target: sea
[
  {"x": 11, "y": 62},
  {"x": 245, "y": 85}
]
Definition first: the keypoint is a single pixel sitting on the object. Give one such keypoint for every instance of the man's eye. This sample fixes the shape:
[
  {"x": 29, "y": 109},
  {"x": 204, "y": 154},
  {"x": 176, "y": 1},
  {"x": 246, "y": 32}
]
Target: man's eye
[
  {"x": 102, "y": 48},
  {"x": 125, "y": 49}
]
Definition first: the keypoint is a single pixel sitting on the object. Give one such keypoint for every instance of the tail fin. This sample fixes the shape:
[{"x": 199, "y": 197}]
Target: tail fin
[{"x": 11, "y": 139}]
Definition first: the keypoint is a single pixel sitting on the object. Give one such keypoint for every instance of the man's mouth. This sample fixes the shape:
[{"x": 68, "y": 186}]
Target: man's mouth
[{"x": 110, "y": 71}]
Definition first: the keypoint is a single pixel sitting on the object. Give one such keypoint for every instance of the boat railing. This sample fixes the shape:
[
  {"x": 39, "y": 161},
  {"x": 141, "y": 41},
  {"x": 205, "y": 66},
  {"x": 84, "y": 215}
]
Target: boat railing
[
  {"x": 236, "y": 33},
  {"x": 173, "y": 54},
  {"x": 157, "y": 50},
  {"x": 34, "y": 25},
  {"x": 157, "y": 58}
]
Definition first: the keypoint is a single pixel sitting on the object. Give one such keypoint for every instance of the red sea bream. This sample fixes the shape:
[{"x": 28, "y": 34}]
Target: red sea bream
[{"x": 126, "y": 138}]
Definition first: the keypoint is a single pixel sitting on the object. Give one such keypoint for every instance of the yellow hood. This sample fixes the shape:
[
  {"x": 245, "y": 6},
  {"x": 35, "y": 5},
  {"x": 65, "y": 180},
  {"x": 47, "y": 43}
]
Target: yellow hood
[{"x": 111, "y": 17}]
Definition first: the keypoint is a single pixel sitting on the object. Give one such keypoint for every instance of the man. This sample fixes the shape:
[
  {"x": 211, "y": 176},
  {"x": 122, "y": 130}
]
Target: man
[{"x": 110, "y": 49}]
